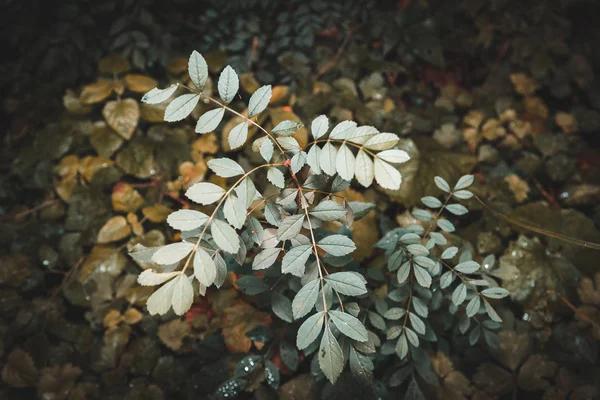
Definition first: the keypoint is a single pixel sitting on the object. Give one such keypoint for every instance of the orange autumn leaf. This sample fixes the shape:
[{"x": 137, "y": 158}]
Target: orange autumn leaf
[{"x": 239, "y": 319}]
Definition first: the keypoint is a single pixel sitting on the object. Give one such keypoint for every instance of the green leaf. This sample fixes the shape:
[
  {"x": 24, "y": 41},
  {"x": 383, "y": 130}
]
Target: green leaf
[
  {"x": 183, "y": 294},
  {"x": 387, "y": 176},
  {"x": 462, "y": 194},
  {"x": 205, "y": 193},
  {"x": 422, "y": 276},
  {"x": 186, "y": 220},
  {"x": 276, "y": 177},
  {"x": 445, "y": 225},
  {"x": 256, "y": 230},
  {"x": 420, "y": 307},
  {"x": 459, "y": 295},
  {"x": 181, "y": 107},
  {"x": 361, "y": 366},
  {"x": 305, "y": 299},
  {"x": 235, "y": 211},
  {"x": 417, "y": 250},
  {"x": 251, "y": 285},
  {"x": 343, "y": 130},
  {"x": 331, "y": 357},
  {"x": 446, "y": 279},
  {"x": 422, "y": 215},
  {"x": 225, "y": 167},
  {"x": 382, "y": 141},
  {"x": 172, "y": 253},
  {"x": 457, "y": 209},
  {"x": 209, "y": 121},
  {"x": 495, "y": 293},
  {"x": 376, "y": 320},
  {"x": 362, "y": 134},
  {"x": 319, "y": 126},
  {"x": 310, "y": 330},
  {"x": 290, "y": 227},
  {"x": 337, "y": 245},
  {"x": 345, "y": 163},
  {"x": 394, "y": 313},
  {"x": 441, "y": 184},
  {"x": 491, "y": 312},
  {"x": 349, "y": 325},
  {"x": 238, "y": 135},
  {"x": 228, "y": 85},
  {"x": 431, "y": 202},
  {"x": 417, "y": 324},
  {"x": 327, "y": 159},
  {"x": 198, "y": 70},
  {"x": 473, "y": 306},
  {"x": 225, "y": 236},
  {"x": 467, "y": 267},
  {"x": 221, "y": 270},
  {"x": 313, "y": 157},
  {"x": 424, "y": 262},
  {"x": 286, "y": 128},
  {"x": 403, "y": 272},
  {"x": 156, "y": 95},
  {"x": 298, "y": 161},
  {"x": 265, "y": 258},
  {"x": 205, "y": 269},
  {"x": 259, "y": 101},
  {"x": 150, "y": 278},
  {"x": 347, "y": 283},
  {"x": 464, "y": 182},
  {"x": 328, "y": 210},
  {"x": 449, "y": 253},
  {"x": 282, "y": 307},
  {"x": 266, "y": 149},
  {"x": 360, "y": 209},
  {"x": 246, "y": 192},
  {"x": 394, "y": 156},
  {"x": 412, "y": 337},
  {"x": 294, "y": 261},
  {"x": 402, "y": 347},
  {"x": 160, "y": 301}
]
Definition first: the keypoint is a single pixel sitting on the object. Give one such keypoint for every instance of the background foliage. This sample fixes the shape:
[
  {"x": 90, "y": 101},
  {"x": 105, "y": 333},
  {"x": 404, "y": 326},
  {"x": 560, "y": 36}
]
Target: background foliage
[{"x": 504, "y": 94}]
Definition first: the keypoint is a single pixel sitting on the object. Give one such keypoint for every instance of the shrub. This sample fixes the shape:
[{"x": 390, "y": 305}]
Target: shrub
[{"x": 303, "y": 268}]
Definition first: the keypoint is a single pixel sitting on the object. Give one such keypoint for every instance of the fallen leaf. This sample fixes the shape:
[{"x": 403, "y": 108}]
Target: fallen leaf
[
  {"x": 74, "y": 105},
  {"x": 57, "y": 381},
  {"x": 140, "y": 83},
  {"x": 205, "y": 144},
  {"x": 178, "y": 65},
  {"x": 103, "y": 259},
  {"x": 173, "y": 333},
  {"x": 114, "y": 230},
  {"x": 114, "y": 64},
  {"x": 523, "y": 84},
  {"x": 125, "y": 198},
  {"x": 96, "y": 92},
  {"x": 156, "y": 213},
  {"x": 122, "y": 116},
  {"x": 248, "y": 82},
  {"x": 112, "y": 319},
  {"x": 90, "y": 165},
  {"x": 239, "y": 319},
  {"x": 104, "y": 140},
  {"x": 19, "y": 370},
  {"x": 132, "y": 316},
  {"x": 566, "y": 122},
  {"x": 518, "y": 186}
]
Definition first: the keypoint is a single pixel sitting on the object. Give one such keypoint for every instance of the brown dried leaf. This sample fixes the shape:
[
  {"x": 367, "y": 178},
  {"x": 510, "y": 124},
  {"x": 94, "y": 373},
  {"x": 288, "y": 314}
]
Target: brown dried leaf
[
  {"x": 114, "y": 230},
  {"x": 153, "y": 112},
  {"x": 455, "y": 386},
  {"x": 474, "y": 118},
  {"x": 132, "y": 316},
  {"x": 567, "y": 122},
  {"x": 88, "y": 166},
  {"x": 535, "y": 108},
  {"x": 74, "y": 105},
  {"x": 112, "y": 319},
  {"x": 103, "y": 259},
  {"x": 492, "y": 129},
  {"x": 192, "y": 173},
  {"x": 15, "y": 269},
  {"x": 56, "y": 382},
  {"x": 523, "y": 84},
  {"x": 125, "y": 198},
  {"x": 532, "y": 373},
  {"x": 279, "y": 93},
  {"x": 20, "y": 370},
  {"x": 122, "y": 116},
  {"x": 587, "y": 292},
  {"x": 239, "y": 319},
  {"x": 156, "y": 213},
  {"x": 518, "y": 186},
  {"x": 96, "y": 92},
  {"x": 496, "y": 381},
  {"x": 140, "y": 83},
  {"x": 205, "y": 144},
  {"x": 178, "y": 65},
  {"x": 172, "y": 333},
  {"x": 114, "y": 64},
  {"x": 248, "y": 82}
]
